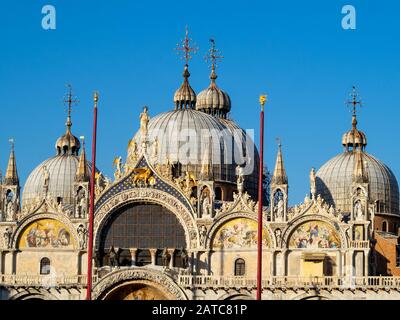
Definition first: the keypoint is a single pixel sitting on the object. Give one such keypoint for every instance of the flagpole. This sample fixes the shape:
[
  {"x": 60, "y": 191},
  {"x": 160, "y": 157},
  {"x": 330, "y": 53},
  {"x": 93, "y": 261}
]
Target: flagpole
[
  {"x": 91, "y": 209},
  {"x": 263, "y": 99}
]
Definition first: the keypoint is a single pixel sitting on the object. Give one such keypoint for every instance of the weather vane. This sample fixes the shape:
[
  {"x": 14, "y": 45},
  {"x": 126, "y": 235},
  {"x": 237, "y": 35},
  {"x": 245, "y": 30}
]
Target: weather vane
[
  {"x": 185, "y": 49},
  {"x": 213, "y": 55},
  {"x": 70, "y": 100},
  {"x": 354, "y": 100}
]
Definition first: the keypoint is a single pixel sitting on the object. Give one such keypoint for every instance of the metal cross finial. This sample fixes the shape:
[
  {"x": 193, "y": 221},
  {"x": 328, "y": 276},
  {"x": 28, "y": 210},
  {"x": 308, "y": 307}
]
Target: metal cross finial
[
  {"x": 278, "y": 141},
  {"x": 354, "y": 100},
  {"x": 213, "y": 55},
  {"x": 69, "y": 100},
  {"x": 185, "y": 49}
]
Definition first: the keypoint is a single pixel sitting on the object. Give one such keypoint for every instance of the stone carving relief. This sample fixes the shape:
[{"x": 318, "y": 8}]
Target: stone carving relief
[
  {"x": 119, "y": 276},
  {"x": 241, "y": 202},
  {"x": 7, "y": 238}
]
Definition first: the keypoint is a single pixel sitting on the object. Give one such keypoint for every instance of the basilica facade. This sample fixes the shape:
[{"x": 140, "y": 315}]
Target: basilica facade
[{"x": 179, "y": 218}]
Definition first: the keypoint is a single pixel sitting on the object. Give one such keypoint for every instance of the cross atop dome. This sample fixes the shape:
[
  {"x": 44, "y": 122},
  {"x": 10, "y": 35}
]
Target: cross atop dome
[
  {"x": 354, "y": 101},
  {"x": 185, "y": 49},
  {"x": 213, "y": 55},
  {"x": 69, "y": 100}
]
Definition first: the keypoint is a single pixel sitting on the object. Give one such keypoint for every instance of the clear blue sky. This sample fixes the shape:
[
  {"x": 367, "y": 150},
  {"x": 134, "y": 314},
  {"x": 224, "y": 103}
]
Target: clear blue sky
[{"x": 296, "y": 51}]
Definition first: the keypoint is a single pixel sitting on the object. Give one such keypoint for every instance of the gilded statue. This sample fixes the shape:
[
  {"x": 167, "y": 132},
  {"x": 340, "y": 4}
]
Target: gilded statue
[
  {"x": 132, "y": 151},
  {"x": 143, "y": 174},
  {"x": 117, "y": 165}
]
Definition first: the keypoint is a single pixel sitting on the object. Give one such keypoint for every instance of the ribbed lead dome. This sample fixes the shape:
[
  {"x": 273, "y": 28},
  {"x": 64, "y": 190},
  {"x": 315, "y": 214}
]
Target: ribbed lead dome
[
  {"x": 334, "y": 181},
  {"x": 193, "y": 138},
  {"x": 61, "y": 170}
]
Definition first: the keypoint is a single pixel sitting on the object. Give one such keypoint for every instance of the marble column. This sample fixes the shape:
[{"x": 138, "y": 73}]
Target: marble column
[
  {"x": 209, "y": 253},
  {"x": 171, "y": 260},
  {"x": 153, "y": 253},
  {"x": 133, "y": 252}
]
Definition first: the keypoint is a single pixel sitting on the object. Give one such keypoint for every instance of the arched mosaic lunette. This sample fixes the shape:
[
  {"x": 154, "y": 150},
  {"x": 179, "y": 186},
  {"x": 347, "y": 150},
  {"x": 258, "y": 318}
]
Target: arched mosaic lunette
[{"x": 125, "y": 184}]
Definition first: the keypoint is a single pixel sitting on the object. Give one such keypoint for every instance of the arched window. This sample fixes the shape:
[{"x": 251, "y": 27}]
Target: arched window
[
  {"x": 240, "y": 267},
  {"x": 159, "y": 255},
  {"x": 143, "y": 258},
  {"x": 45, "y": 266},
  {"x": 143, "y": 226},
  {"x": 385, "y": 226},
  {"x": 218, "y": 193},
  {"x": 378, "y": 206}
]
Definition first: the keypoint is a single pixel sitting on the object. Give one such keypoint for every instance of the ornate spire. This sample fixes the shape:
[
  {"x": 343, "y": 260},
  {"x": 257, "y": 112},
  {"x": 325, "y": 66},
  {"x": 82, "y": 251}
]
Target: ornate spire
[
  {"x": 360, "y": 174},
  {"x": 82, "y": 174},
  {"x": 354, "y": 138},
  {"x": 11, "y": 177},
  {"x": 185, "y": 97},
  {"x": 279, "y": 176}
]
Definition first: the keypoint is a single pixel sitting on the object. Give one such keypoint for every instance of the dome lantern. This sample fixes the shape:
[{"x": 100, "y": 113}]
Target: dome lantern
[
  {"x": 213, "y": 100},
  {"x": 185, "y": 97},
  {"x": 68, "y": 144},
  {"x": 354, "y": 138}
]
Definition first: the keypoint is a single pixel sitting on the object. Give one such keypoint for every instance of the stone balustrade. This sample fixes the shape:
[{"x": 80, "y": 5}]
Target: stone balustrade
[
  {"x": 220, "y": 282},
  {"x": 359, "y": 244},
  {"x": 294, "y": 282},
  {"x": 26, "y": 280}
]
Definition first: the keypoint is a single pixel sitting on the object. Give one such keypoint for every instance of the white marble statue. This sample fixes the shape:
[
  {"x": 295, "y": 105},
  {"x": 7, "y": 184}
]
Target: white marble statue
[
  {"x": 206, "y": 206},
  {"x": 240, "y": 179},
  {"x": 280, "y": 208},
  {"x": 358, "y": 212},
  {"x": 144, "y": 121},
  {"x": 82, "y": 235}
]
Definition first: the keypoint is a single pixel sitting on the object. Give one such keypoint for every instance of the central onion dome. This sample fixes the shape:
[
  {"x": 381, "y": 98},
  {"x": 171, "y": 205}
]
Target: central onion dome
[
  {"x": 335, "y": 178},
  {"x": 62, "y": 170}
]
